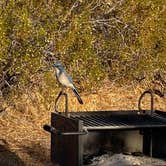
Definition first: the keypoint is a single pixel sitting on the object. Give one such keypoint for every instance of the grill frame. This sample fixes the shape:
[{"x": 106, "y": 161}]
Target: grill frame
[
  {"x": 71, "y": 147},
  {"x": 145, "y": 127}
]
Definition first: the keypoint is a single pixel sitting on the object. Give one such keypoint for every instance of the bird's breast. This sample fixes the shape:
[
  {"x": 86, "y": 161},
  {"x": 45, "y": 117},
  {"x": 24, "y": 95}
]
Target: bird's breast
[
  {"x": 57, "y": 72},
  {"x": 63, "y": 79}
]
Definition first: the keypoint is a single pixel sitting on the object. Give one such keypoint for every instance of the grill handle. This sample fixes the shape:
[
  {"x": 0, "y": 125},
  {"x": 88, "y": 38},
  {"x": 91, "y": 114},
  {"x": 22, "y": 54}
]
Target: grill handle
[
  {"x": 151, "y": 103},
  {"x": 66, "y": 102},
  {"x": 53, "y": 130},
  {"x": 151, "y": 92}
]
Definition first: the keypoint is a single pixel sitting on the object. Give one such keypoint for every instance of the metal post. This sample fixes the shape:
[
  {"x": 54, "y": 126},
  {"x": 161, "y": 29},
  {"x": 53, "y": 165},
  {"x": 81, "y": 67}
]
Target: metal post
[
  {"x": 66, "y": 104},
  {"x": 151, "y": 143}
]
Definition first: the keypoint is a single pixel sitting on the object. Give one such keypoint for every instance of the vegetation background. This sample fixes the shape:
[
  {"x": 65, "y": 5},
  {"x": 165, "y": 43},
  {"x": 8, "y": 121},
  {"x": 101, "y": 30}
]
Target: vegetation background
[{"x": 113, "y": 50}]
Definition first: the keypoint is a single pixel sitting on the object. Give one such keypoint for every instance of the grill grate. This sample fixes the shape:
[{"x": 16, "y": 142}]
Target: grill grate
[{"x": 119, "y": 120}]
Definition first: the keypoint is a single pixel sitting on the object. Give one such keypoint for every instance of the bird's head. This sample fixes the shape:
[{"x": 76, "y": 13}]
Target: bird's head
[
  {"x": 48, "y": 53},
  {"x": 58, "y": 65}
]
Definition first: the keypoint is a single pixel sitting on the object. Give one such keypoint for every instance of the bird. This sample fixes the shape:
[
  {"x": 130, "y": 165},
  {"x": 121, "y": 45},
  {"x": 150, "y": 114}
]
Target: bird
[{"x": 65, "y": 80}]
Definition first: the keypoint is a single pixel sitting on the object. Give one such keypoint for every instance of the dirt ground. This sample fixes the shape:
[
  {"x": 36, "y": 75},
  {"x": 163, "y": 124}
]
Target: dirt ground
[{"x": 23, "y": 142}]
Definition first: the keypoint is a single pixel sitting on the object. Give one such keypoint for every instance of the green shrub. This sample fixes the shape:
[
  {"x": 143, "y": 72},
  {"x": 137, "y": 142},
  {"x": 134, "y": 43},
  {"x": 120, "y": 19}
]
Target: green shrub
[{"x": 122, "y": 40}]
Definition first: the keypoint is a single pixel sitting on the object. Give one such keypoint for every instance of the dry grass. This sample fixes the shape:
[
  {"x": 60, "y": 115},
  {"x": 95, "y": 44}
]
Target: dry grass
[{"x": 23, "y": 141}]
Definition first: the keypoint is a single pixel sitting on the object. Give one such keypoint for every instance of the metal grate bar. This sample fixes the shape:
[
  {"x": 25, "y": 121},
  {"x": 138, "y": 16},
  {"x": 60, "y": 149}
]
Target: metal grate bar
[
  {"x": 86, "y": 123},
  {"x": 110, "y": 120},
  {"x": 100, "y": 121}
]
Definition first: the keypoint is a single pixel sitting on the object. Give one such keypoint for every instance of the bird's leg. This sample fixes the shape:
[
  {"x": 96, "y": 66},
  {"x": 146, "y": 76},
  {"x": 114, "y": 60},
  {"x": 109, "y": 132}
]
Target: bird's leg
[{"x": 56, "y": 100}]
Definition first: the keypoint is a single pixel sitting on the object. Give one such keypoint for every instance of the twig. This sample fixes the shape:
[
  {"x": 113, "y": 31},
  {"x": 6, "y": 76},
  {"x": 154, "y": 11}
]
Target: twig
[{"x": 116, "y": 4}]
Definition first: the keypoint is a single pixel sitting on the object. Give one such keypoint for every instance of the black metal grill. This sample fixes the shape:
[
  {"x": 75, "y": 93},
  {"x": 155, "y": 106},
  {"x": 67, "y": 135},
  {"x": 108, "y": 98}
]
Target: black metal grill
[
  {"x": 104, "y": 120},
  {"x": 114, "y": 129}
]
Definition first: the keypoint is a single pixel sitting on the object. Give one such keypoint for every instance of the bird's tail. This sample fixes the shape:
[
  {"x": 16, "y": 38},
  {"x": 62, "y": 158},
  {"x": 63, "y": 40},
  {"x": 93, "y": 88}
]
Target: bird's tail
[{"x": 77, "y": 95}]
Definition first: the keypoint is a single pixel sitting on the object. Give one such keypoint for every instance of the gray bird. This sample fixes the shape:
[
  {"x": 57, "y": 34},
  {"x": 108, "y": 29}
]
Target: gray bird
[{"x": 65, "y": 80}]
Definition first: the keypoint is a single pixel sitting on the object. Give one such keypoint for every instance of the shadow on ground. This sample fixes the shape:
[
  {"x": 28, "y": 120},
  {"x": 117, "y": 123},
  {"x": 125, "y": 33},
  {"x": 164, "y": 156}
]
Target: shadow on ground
[
  {"x": 39, "y": 153},
  {"x": 8, "y": 158}
]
